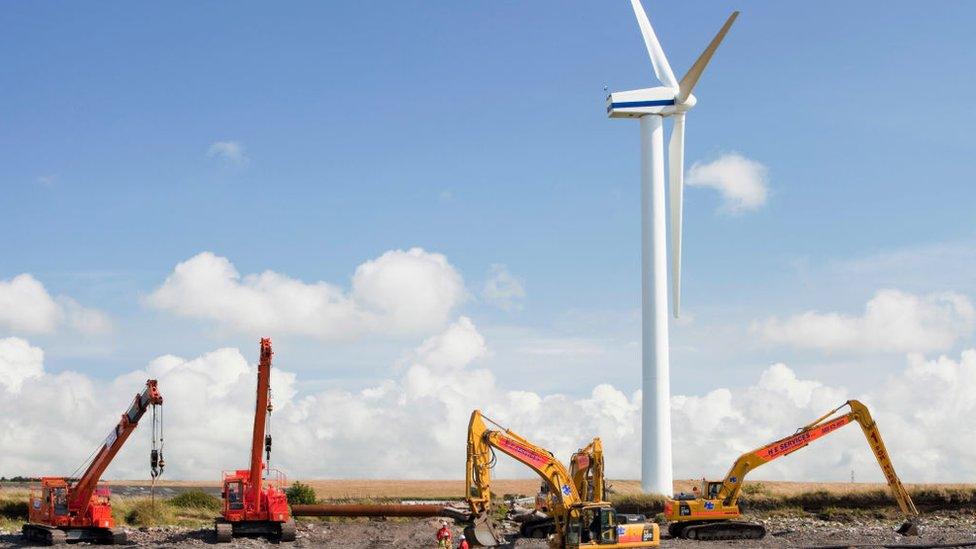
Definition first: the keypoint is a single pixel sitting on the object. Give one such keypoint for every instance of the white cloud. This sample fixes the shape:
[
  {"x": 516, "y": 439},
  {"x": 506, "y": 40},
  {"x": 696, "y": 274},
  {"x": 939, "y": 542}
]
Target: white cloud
[
  {"x": 26, "y": 306},
  {"x": 231, "y": 152},
  {"x": 502, "y": 289},
  {"x": 563, "y": 347},
  {"x": 400, "y": 292},
  {"x": 741, "y": 181},
  {"x": 18, "y": 361},
  {"x": 413, "y": 425},
  {"x": 893, "y": 322}
]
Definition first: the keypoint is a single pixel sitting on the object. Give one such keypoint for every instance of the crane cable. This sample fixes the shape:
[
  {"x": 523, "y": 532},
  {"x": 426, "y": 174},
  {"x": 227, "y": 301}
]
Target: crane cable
[
  {"x": 87, "y": 462},
  {"x": 267, "y": 436}
]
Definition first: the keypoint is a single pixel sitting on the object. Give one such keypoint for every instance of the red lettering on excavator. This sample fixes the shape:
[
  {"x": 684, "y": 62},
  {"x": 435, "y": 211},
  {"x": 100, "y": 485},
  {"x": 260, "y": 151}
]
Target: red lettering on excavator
[
  {"x": 799, "y": 440},
  {"x": 523, "y": 454}
]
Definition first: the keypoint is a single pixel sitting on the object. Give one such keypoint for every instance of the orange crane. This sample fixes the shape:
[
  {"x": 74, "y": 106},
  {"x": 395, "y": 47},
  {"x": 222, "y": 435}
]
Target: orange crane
[
  {"x": 65, "y": 510},
  {"x": 251, "y": 506}
]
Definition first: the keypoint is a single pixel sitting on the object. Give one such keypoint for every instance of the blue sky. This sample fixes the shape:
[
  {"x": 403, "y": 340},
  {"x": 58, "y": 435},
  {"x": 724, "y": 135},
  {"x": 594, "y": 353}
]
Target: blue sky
[{"x": 478, "y": 131}]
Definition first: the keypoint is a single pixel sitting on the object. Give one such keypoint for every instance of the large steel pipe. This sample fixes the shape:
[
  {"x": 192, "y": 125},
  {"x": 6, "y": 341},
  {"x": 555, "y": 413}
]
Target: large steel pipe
[{"x": 368, "y": 510}]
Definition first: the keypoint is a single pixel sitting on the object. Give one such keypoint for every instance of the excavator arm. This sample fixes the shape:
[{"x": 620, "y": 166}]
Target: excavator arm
[
  {"x": 482, "y": 442},
  {"x": 586, "y": 468},
  {"x": 82, "y": 492},
  {"x": 731, "y": 486},
  {"x": 712, "y": 513}
]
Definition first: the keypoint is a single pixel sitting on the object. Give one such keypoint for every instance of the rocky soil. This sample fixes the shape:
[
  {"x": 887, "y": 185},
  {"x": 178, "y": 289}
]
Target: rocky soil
[{"x": 797, "y": 532}]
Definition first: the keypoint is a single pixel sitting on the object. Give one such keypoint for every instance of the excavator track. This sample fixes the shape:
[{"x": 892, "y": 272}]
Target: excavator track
[{"x": 718, "y": 531}]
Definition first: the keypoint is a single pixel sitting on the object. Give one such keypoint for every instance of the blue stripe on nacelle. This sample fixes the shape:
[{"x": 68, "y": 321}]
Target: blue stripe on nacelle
[{"x": 631, "y": 104}]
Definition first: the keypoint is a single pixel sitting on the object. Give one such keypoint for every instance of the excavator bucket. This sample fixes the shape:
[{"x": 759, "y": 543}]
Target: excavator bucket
[
  {"x": 484, "y": 532},
  {"x": 908, "y": 528}
]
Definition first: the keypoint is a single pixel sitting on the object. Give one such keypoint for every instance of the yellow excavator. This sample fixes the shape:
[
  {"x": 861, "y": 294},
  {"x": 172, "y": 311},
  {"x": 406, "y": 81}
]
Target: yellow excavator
[
  {"x": 586, "y": 470},
  {"x": 710, "y": 512},
  {"x": 578, "y": 523}
]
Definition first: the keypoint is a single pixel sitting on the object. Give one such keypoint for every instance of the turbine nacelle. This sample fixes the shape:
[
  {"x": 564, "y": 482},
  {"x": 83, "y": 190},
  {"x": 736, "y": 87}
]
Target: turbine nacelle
[
  {"x": 672, "y": 99},
  {"x": 661, "y": 100}
]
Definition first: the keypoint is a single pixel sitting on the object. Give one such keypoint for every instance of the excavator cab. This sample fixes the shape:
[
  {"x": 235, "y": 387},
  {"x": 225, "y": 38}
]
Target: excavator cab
[{"x": 598, "y": 525}]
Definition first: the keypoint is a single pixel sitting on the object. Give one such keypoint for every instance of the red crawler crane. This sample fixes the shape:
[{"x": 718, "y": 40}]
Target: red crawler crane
[
  {"x": 253, "y": 508},
  {"x": 67, "y": 511}
]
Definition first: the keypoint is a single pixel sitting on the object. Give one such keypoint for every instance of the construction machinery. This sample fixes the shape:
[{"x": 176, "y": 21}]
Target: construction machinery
[
  {"x": 586, "y": 470},
  {"x": 711, "y": 512},
  {"x": 254, "y": 500},
  {"x": 68, "y": 510},
  {"x": 577, "y": 523}
]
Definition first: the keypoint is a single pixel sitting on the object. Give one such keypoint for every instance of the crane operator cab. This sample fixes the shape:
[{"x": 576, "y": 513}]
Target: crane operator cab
[
  {"x": 596, "y": 525},
  {"x": 234, "y": 489}
]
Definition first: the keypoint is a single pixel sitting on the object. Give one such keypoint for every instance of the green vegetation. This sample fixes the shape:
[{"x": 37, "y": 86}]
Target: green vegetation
[
  {"x": 300, "y": 494},
  {"x": 13, "y": 509},
  {"x": 646, "y": 504},
  {"x": 195, "y": 499},
  {"x": 754, "y": 489},
  {"x": 827, "y": 505},
  {"x": 143, "y": 512},
  {"x": 194, "y": 510}
]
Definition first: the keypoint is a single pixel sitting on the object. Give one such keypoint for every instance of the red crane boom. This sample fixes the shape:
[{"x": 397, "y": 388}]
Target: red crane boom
[
  {"x": 251, "y": 505},
  {"x": 261, "y": 410},
  {"x": 79, "y": 511}
]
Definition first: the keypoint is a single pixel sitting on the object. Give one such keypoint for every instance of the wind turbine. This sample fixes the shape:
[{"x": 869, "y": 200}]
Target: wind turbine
[{"x": 651, "y": 105}]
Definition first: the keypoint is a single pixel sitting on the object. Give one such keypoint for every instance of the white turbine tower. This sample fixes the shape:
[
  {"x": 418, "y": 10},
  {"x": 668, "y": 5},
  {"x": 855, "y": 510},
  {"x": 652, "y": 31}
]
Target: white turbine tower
[{"x": 651, "y": 106}]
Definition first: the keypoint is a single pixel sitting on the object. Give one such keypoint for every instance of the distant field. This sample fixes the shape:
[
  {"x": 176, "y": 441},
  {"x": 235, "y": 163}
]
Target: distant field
[{"x": 379, "y": 488}]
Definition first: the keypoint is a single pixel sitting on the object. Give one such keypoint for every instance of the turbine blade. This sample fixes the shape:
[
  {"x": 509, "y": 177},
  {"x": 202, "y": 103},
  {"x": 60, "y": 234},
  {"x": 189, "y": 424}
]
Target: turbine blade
[
  {"x": 658, "y": 60},
  {"x": 676, "y": 181},
  {"x": 689, "y": 80}
]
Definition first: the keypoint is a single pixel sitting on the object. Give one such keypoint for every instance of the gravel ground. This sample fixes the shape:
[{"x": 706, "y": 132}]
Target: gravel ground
[{"x": 418, "y": 534}]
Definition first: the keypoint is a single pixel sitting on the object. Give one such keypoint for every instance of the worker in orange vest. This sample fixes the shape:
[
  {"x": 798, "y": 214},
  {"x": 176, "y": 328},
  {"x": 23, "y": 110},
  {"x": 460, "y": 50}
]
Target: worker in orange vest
[
  {"x": 464, "y": 543},
  {"x": 444, "y": 536}
]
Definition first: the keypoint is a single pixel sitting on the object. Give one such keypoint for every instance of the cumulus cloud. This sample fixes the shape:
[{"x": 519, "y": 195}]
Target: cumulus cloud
[
  {"x": 400, "y": 293},
  {"x": 19, "y": 361},
  {"x": 231, "y": 152},
  {"x": 743, "y": 182},
  {"x": 502, "y": 289},
  {"x": 892, "y": 321},
  {"x": 413, "y": 424},
  {"x": 27, "y": 307}
]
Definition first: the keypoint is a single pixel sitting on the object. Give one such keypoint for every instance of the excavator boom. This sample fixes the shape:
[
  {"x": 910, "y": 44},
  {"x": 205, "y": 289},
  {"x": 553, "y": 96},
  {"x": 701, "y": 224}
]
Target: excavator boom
[
  {"x": 586, "y": 467},
  {"x": 718, "y": 501}
]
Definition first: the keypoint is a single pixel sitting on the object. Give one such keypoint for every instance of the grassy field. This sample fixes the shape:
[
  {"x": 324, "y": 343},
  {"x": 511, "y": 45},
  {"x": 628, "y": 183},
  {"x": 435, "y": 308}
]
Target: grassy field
[{"x": 192, "y": 508}]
